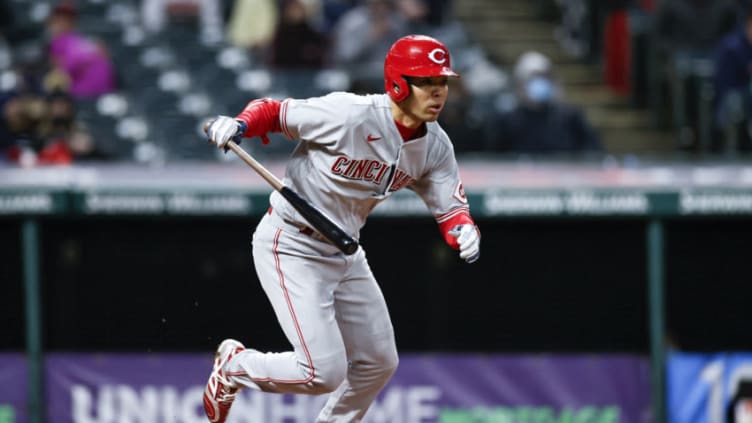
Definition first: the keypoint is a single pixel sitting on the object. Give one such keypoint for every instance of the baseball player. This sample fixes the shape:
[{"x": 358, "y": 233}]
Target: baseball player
[{"x": 354, "y": 152}]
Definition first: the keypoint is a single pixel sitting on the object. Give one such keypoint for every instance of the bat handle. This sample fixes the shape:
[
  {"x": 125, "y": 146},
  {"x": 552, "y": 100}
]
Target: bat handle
[{"x": 236, "y": 137}]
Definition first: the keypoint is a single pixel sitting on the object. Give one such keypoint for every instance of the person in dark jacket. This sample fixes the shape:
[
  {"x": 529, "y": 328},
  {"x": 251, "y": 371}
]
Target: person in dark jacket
[
  {"x": 296, "y": 43},
  {"x": 732, "y": 78},
  {"x": 541, "y": 123}
]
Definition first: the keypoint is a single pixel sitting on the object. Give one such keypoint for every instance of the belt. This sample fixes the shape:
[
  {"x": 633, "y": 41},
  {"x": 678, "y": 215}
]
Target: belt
[{"x": 305, "y": 230}]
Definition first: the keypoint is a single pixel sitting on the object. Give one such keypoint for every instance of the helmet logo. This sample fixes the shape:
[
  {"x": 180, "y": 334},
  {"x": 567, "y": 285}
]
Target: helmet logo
[{"x": 437, "y": 56}]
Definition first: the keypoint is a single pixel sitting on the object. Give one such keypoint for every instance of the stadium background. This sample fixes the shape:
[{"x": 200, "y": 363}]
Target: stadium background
[{"x": 656, "y": 277}]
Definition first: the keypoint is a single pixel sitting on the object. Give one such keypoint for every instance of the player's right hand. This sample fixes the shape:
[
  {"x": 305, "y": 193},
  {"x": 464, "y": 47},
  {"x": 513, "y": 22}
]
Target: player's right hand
[
  {"x": 468, "y": 239},
  {"x": 223, "y": 129}
]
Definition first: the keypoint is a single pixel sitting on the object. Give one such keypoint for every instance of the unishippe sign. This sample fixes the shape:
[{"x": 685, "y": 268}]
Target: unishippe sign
[
  {"x": 157, "y": 388},
  {"x": 13, "y": 388}
]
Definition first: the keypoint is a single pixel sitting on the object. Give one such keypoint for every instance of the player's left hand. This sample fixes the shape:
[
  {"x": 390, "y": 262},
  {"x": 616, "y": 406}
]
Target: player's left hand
[{"x": 468, "y": 239}]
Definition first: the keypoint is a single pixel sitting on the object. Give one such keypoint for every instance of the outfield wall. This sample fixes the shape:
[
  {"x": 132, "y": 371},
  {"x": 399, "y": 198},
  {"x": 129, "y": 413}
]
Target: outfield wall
[{"x": 575, "y": 259}]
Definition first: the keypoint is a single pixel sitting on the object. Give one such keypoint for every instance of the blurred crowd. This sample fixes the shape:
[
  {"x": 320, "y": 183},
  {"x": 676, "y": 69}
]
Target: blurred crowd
[
  {"x": 688, "y": 61},
  {"x": 38, "y": 101},
  {"x": 133, "y": 79},
  {"x": 138, "y": 75}
]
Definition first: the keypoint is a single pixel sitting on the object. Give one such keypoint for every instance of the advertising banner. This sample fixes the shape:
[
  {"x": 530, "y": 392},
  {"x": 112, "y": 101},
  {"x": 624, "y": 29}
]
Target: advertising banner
[
  {"x": 426, "y": 388},
  {"x": 712, "y": 388},
  {"x": 13, "y": 388}
]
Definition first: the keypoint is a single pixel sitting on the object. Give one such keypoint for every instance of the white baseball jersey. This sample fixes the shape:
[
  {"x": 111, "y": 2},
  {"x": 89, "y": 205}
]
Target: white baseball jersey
[{"x": 352, "y": 156}]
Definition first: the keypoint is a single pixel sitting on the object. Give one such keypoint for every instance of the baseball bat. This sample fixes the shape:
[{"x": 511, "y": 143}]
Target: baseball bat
[{"x": 323, "y": 225}]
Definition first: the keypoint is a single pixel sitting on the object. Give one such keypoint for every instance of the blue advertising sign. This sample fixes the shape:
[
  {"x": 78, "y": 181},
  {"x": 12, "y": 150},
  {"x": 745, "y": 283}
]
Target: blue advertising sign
[{"x": 712, "y": 388}]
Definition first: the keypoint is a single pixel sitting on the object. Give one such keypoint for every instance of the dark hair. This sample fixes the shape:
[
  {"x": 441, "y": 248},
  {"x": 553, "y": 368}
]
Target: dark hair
[{"x": 65, "y": 8}]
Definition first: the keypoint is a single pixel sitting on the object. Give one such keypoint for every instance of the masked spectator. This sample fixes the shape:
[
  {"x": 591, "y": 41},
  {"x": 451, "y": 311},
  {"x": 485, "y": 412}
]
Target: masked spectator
[{"x": 540, "y": 122}]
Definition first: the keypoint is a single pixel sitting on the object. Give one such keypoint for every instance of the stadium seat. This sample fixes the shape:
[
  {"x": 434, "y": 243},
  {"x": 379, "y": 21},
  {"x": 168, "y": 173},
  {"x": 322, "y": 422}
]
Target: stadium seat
[{"x": 184, "y": 137}]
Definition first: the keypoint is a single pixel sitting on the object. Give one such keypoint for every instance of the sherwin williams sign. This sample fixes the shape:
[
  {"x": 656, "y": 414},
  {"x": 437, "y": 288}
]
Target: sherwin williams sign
[{"x": 154, "y": 388}]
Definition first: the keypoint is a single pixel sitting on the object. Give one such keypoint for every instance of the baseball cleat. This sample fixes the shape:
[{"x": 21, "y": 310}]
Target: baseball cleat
[{"x": 220, "y": 392}]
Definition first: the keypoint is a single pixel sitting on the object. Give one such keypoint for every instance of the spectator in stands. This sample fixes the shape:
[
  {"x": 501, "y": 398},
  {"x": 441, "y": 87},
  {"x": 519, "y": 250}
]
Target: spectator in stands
[
  {"x": 252, "y": 24},
  {"x": 732, "y": 79},
  {"x": 461, "y": 119},
  {"x": 84, "y": 62},
  {"x": 65, "y": 139},
  {"x": 693, "y": 27},
  {"x": 361, "y": 39},
  {"x": 332, "y": 11},
  {"x": 22, "y": 105},
  {"x": 44, "y": 131},
  {"x": 541, "y": 123},
  {"x": 297, "y": 44},
  {"x": 207, "y": 14},
  {"x": 572, "y": 33},
  {"x": 612, "y": 41},
  {"x": 585, "y": 25},
  {"x": 686, "y": 31},
  {"x": 19, "y": 124},
  {"x": 54, "y": 130},
  {"x": 431, "y": 17},
  {"x": 417, "y": 14}
]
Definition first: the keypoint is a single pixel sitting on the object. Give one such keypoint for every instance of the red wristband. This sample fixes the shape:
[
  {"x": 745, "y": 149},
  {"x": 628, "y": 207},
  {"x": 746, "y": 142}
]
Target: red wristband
[
  {"x": 261, "y": 116},
  {"x": 449, "y": 221}
]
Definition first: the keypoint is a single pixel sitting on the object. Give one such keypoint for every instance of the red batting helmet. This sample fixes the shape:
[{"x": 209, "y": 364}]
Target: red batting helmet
[{"x": 414, "y": 55}]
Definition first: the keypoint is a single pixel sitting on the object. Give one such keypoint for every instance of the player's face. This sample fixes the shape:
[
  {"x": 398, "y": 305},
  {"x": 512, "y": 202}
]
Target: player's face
[{"x": 427, "y": 98}]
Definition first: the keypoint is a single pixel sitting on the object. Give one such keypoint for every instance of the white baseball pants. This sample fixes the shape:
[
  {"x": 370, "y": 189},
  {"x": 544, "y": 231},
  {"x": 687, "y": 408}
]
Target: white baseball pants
[{"x": 332, "y": 311}]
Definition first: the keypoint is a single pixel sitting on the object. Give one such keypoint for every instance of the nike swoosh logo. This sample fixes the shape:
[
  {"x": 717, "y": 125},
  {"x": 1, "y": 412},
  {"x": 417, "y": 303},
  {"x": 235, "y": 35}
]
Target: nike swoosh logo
[{"x": 372, "y": 138}]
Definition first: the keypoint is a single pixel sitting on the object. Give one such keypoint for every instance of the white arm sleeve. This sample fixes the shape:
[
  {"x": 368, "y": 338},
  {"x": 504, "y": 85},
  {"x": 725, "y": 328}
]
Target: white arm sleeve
[
  {"x": 441, "y": 188},
  {"x": 321, "y": 120}
]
